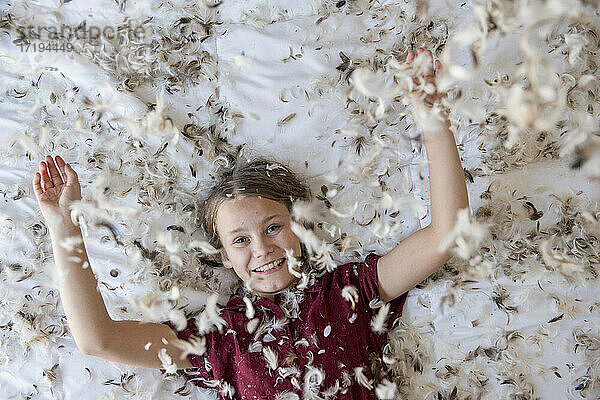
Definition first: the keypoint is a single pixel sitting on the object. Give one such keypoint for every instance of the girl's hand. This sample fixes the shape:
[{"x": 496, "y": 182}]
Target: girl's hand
[
  {"x": 426, "y": 100},
  {"x": 55, "y": 194}
]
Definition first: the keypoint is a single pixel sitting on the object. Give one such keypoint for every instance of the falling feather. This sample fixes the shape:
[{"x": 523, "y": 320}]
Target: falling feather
[
  {"x": 362, "y": 379},
  {"x": 193, "y": 345},
  {"x": 249, "y": 308},
  {"x": 350, "y": 294},
  {"x": 227, "y": 390},
  {"x": 167, "y": 364},
  {"x": 386, "y": 390},
  {"x": 378, "y": 321},
  {"x": 466, "y": 235}
]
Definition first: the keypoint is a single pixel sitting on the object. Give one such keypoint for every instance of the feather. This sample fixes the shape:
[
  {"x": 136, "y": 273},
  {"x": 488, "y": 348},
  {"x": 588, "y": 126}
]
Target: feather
[
  {"x": 350, "y": 294},
  {"x": 386, "y": 390},
  {"x": 209, "y": 319},
  {"x": 323, "y": 252},
  {"x": 193, "y": 345},
  {"x": 279, "y": 324},
  {"x": 293, "y": 263},
  {"x": 167, "y": 364},
  {"x": 362, "y": 379},
  {"x": 562, "y": 262},
  {"x": 313, "y": 379},
  {"x": 204, "y": 247},
  {"x": 378, "y": 321},
  {"x": 271, "y": 357},
  {"x": 332, "y": 391},
  {"x": 178, "y": 318},
  {"x": 226, "y": 390},
  {"x": 285, "y": 120},
  {"x": 249, "y": 308},
  {"x": 467, "y": 235},
  {"x": 252, "y": 325},
  {"x": 287, "y": 396}
]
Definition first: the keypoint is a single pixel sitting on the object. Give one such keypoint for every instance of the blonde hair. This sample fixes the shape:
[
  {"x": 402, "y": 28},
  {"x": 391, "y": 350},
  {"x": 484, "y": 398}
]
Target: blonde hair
[{"x": 260, "y": 177}]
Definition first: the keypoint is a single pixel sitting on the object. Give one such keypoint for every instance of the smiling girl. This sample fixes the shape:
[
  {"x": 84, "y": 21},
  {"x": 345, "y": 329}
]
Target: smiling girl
[{"x": 284, "y": 337}]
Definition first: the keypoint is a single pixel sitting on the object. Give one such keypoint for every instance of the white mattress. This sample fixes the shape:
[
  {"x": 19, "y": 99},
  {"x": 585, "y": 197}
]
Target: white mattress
[{"x": 245, "y": 78}]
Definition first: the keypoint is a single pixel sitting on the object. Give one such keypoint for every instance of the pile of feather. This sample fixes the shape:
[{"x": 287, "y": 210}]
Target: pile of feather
[{"x": 150, "y": 114}]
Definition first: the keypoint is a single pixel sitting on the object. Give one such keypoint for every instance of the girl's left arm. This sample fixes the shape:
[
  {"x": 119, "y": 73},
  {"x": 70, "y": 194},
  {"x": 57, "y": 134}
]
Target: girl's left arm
[{"x": 417, "y": 257}]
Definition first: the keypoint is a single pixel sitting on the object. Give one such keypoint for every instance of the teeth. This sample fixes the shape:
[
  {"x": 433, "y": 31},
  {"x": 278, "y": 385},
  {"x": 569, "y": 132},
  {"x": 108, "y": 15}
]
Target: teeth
[{"x": 269, "y": 266}]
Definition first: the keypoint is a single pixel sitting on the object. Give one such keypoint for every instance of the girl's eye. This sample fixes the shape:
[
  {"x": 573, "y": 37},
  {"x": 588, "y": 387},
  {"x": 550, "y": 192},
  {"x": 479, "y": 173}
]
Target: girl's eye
[
  {"x": 275, "y": 228},
  {"x": 270, "y": 229}
]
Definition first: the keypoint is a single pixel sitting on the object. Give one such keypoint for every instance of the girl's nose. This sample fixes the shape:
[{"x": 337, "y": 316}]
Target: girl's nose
[{"x": 262, "y": 247}]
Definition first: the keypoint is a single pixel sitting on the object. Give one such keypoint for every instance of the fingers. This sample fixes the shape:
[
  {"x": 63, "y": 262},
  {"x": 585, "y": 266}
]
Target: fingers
[
  {"x": 411, "y": 54},
  {"x": 37, "y": 187},
  {"x": 68, "y": 172},
  {"x": 432, "y": 69},
  {"x": 71, "y": 176},
  {"x": 46, "y": 180},
  {"x": 60, "y": 163},
  {"x": 49, "y": 175},
  {"x": 54, "y": 174},
  {"x": 429, "y": 71},
  {"x": 438, "y": 67}
]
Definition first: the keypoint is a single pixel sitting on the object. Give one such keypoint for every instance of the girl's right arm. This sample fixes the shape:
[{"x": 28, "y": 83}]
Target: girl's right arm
[{"x": 95, "y": 333}]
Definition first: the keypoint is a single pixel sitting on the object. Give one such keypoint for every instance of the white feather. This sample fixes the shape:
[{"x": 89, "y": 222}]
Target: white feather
[
  {"x": 313, "y": 379},
  {"x": 467, "y": 235},
  {"x": 204, "y": 246},
  {"x": 271, "y": 357},
  {"x": 378, "y": 321},
  {"x": 293, "y": 263},
  {"x": 209, "y": 319},
  {"x": 362, "y": 379},
  {"x": 287, "y": 396},
  {"x": 350, "y": 293},
  {"x": 193, "y": 345},
  {"x": 249, "y": 308},
  {"x": 227, "y": 390},
  {"x": 252, "y": 325},
  {"x": 167, "y": 364},
  {"x": 386, "y": 390}
]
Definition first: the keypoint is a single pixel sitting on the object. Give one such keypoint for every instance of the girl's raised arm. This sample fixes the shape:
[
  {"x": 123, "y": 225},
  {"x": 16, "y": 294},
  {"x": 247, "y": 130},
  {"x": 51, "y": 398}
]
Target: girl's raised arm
[
  {"x": 95, "y": 333},
  {"x": 417, "y": 256},
  {"x": 83, "y": 305}
]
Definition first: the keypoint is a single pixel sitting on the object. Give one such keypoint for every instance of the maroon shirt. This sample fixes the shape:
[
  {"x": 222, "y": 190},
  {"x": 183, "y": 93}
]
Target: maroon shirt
[{"x": 317, "y": 331}]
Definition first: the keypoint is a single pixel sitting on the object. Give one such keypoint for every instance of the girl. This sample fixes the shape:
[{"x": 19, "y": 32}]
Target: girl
[{"x": 286, "y": 337}]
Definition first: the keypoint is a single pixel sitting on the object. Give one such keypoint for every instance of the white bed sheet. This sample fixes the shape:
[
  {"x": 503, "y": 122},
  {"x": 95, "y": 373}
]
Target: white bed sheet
[{"x": 247, "y": 51}]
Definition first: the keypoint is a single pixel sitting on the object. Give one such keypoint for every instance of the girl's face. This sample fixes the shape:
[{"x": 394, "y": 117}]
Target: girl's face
[{"x": 255, "y": 232}]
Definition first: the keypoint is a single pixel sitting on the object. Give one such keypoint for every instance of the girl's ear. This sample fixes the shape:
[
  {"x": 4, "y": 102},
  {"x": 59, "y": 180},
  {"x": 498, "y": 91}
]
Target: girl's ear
[{"x": 225, "y": 259}]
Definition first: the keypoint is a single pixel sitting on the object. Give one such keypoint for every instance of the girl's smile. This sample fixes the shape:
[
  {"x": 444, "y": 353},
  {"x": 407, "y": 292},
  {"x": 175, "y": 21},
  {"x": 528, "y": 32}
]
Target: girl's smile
[
  {"x": 270, "y": 267},
  {"x": 255, "y": 233}
]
